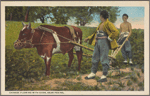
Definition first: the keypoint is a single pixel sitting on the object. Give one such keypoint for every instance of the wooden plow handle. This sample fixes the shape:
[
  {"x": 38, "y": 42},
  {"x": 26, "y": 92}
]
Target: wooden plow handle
[
  {"x": 81, "y": 45},
  {"x": 118, "y": 49}
]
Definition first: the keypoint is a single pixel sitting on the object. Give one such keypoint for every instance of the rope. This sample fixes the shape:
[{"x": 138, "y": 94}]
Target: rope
[{"x": 43, "y": 43}]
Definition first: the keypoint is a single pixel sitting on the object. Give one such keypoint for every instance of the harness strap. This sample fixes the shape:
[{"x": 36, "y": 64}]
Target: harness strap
[
  {"x": 42, "y": 36},
  {"x": 101, "y": 37},
  {"x": 30, "y": 41},
  {"x": 72, "y": 31},
  {"x": 52, "y": 31}
]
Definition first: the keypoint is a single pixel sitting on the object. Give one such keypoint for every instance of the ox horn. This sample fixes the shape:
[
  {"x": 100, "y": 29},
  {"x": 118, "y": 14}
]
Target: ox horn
[
  {"x": 29, "y": 25},
  {"x": 23, "y": 24}
]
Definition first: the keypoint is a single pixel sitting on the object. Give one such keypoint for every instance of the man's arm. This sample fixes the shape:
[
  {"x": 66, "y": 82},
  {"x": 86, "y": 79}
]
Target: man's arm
[
  {"x": 130, "y": 31},
  {"x": 89, "y": 37},
  {"x": 120, "y": 30},
  {"x": 114, "y": 31}
]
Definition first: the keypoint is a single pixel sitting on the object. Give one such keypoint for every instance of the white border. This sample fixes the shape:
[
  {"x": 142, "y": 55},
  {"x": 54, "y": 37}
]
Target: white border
[{"x": 80, "y": 3}]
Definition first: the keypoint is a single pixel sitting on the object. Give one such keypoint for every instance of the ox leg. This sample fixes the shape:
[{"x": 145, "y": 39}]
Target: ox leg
[
  {"x": 47, "y": 60},
  {"x": 47, "y": 64},
  {"x": 79, "y": 56},
  {"x": 70, "y": 53}
]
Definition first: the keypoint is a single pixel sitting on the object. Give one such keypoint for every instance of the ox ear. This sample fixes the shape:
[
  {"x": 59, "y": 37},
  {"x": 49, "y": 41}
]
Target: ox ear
[
  {"x": 29, "y": 25},
  {"x": 23, "y": 24}
]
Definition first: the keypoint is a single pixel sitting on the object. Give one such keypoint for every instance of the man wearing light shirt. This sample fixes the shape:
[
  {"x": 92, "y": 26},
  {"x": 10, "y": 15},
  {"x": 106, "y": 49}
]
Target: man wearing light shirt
[{"x": 126, "y": 29}]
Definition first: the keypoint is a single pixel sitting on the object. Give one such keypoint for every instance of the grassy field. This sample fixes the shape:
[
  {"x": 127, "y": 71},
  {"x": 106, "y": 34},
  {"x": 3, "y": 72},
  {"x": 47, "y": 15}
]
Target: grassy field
[{"x": 25, "y": 66}]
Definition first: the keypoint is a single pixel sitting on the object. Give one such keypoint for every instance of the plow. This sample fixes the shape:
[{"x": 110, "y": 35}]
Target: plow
[{"x": 112, "y": 56}]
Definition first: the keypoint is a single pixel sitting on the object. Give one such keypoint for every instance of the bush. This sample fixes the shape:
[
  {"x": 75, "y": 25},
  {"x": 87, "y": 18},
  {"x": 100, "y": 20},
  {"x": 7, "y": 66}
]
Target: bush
[
  {"x": 21, "y": 65},
  {"x": 137, "y": 43}
]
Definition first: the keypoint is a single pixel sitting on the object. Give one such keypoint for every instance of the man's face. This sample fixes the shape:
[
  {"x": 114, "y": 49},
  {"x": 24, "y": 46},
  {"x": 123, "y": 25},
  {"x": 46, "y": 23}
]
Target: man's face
[
  {"x": 101, "y": 17},
  {"x": 125, "y": 18}
]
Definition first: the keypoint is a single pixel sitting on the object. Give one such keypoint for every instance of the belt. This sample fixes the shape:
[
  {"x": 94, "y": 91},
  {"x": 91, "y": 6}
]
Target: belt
[
  {"x": 102, "y": 33},
  {"x": 101, "y": 37},
  {"x": 99, "y": 31}
]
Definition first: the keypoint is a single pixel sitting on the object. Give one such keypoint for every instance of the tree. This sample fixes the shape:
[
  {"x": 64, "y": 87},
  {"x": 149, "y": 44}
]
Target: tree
[
  {"x": 113, "y": 14},
  {"x": 19, "y": 13},
  {"x": 111, "y": 10},
  {"x": 85, "y": 15},
  {"x": 61, "y": 14},
  {"x": 27, "y": 14},
  {"x": 14, "y": 13},
  {"x": 82, "y": 15},
  {"x": 39, "y": 13}
]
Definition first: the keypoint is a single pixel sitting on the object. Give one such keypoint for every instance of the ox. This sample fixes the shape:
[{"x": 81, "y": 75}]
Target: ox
[{"x": 48, "y": 43}]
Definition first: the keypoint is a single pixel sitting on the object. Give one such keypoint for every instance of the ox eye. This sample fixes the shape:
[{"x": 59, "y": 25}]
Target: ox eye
[{"x": 23, "y": 34}]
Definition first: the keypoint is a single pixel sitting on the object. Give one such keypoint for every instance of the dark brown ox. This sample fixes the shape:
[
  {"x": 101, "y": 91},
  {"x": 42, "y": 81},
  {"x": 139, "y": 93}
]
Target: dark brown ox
[{"x": 48, "y": 43}]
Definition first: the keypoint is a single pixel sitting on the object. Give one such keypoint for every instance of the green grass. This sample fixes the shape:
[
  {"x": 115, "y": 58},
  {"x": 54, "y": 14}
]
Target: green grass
[
  {"x": 119, "y": 75},
  {"x": 115, "y": 88},
  {"x": 121, "y": 84},
  {"x": 24, "y": 64},
  {"x": 67, "y": 85},
  {"x": 140, "y": 84},
  {"x": 129, "y": 82},
  {"x": 111, "y": 82},
  {"x": 134, "y": 77}
]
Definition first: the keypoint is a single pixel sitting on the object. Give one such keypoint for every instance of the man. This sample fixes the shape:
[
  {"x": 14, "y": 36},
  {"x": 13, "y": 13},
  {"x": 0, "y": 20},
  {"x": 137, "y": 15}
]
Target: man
[
  {"x": 126, "y": 28},
  {"x": 104, "y": 38}
]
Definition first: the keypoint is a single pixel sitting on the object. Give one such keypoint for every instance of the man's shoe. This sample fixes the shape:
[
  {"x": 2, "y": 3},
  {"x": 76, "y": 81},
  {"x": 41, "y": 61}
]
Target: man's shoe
[
  {"x": 89, "y": 77},
  {"x": 102, "y": 79},
  {"x": 125, "y": 61},
  {"x": 130, "y": 62}
]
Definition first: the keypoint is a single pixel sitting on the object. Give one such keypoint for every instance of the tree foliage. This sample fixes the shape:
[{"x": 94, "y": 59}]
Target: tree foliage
[
  {"x": 14, "y": 13},
  {"x": 60, "y": 15},
  {"x": 83, "y": 15},
  {"x": 41, "y": 13},
  {"x": 18, "y": 13}
]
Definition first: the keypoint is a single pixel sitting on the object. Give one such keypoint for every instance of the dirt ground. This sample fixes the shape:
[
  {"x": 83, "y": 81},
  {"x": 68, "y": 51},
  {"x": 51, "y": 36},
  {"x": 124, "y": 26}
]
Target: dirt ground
[{"x": 109, "y": 85}]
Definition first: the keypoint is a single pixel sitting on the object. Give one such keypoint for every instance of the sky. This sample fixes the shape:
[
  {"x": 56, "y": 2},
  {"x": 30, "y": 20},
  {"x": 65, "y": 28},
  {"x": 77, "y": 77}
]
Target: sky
[{"x": 136, "y": 18}]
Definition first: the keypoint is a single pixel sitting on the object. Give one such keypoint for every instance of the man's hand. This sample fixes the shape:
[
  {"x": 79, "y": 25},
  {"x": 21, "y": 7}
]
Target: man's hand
[
  {"x": 86, "y": 39},
  {"x": 109, "y": 39},
  {"x": 126, "y": 39}
]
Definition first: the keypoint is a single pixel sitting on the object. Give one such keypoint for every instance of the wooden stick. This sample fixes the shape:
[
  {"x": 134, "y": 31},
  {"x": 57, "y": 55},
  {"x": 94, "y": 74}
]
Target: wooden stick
[
  {"x": 118, "y": 49},
  {"x": 88, "y": 55},
  {"x": 81, "y": 46}
]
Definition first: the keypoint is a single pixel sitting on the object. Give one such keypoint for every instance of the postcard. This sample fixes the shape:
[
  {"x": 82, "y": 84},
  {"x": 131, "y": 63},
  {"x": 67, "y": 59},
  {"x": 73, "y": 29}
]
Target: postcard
[{"x": 74, "y": 47}]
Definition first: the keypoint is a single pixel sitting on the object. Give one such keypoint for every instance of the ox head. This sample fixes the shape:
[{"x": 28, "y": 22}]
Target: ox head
[{"x": 24, "y": 40}]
